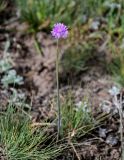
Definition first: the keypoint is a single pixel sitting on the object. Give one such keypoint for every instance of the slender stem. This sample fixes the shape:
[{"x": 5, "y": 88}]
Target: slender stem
[
  {"x": 121, "y": 126},
  {"x": 121, "y": 123},
  {"x": 58, "y": 98},
  {"x": 37, "y": 45}
]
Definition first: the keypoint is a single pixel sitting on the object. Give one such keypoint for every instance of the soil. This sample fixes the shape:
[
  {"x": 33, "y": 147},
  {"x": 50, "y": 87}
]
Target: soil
[{"x": 40, "y": 88}]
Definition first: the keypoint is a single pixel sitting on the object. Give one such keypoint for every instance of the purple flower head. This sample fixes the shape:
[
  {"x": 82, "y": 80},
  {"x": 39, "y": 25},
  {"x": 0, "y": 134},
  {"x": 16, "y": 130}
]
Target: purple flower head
[{"x": 59, "y": 31}]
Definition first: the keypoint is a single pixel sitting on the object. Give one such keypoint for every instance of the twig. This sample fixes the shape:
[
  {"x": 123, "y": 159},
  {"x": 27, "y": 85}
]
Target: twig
[
  {"x": 119, "y": 106},
  {"x": 71, "y": 144},
  {"x": 36, "y": 124},
  {"x": 121, "y": 125}
]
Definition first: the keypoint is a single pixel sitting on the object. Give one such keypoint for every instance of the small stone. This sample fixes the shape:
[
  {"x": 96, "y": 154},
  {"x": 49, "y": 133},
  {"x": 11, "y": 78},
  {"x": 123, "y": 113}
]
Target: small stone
[
  {"x": 95, "y": 25},
  {"x": 106, "y": 106},
  {"x": 102, "y": 132},
  {"x": 114, "y": 91},
  {"x": 111, "y": 140}
]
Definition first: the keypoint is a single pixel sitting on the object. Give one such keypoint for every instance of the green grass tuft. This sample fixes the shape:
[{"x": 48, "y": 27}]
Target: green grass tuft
[
  {"x": 76, "y": 58},
  {"x": 36, "y": 13},
  {"x": 2, "y": 6},
  {"x": 77, "y": 120},
  {"x": 21, "y": 141}
]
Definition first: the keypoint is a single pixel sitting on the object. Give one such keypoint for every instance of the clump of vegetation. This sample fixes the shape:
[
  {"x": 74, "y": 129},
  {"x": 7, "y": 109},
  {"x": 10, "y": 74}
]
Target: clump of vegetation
[
  {"x": 5, "y": 64},
  {"x": 33, "y": 13},
  {"x": 11, "y": 77},
  {"x": 77, "y": 119},
  {"x": 6, "y": 61},
  {"x": 76, "y": 57},
  {"x": 115, "y": 43},
  {"x": 2, "y": 5},
  {"x": 20, "y": 141},
  {"x": 116, "y": 68},
  {"x": 40, "y": 15},
  {"x": 36, "y": 13}
]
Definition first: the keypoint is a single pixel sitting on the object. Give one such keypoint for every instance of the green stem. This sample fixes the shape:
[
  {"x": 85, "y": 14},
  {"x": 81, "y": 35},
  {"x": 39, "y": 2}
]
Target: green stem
[
  {"x": 37, "y": 45},
  {"x": 58, "y": 98}
]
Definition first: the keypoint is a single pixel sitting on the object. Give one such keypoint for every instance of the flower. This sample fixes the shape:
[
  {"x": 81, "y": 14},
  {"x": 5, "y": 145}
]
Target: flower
[{"x": 59, "y": 31}]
